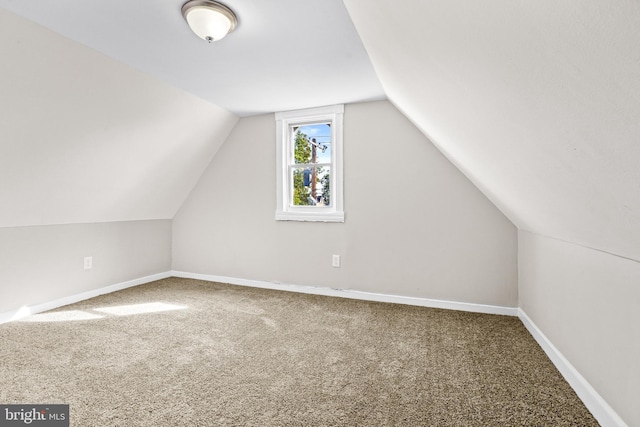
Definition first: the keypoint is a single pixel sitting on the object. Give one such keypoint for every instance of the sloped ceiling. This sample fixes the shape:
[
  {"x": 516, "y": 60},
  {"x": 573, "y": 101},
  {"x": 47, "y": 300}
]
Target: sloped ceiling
[
  {"x": 537, "y": 102},
  {"x": 110, "y": 111},
  {"x": 84, "y": 138},
  {"x": 283, "y": 55}
]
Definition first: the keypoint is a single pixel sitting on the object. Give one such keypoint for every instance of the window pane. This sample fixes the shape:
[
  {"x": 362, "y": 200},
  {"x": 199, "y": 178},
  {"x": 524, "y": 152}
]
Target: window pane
[
  {"x": 312, "y": 143},
  {"x": 311, "y": 186}
]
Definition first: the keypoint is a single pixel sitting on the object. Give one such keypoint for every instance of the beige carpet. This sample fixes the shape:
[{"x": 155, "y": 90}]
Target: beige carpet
[{"x": 230, "y": 355}]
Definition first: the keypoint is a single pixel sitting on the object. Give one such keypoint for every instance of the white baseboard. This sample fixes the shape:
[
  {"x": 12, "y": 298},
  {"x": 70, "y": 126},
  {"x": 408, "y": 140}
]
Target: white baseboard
[
  {"x": 600, "y": 409},
  {"x": 50, "y": 305},
  {"x": 353, "y": 294}
]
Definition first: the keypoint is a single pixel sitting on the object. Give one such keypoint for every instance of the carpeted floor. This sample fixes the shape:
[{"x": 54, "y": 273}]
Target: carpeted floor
[{"x": 214, "y": 354}]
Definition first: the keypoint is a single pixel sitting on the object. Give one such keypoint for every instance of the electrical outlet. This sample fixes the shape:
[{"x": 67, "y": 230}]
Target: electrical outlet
[
  {"x": 88, "y": 262},
  {"x": 335, "y": 261}
]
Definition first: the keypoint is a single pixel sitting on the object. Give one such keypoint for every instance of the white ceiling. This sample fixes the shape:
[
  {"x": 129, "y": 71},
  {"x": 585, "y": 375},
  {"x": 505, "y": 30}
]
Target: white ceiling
[
  {"x": 284, "y": 54},
  {"x": 537, "y": 102}
]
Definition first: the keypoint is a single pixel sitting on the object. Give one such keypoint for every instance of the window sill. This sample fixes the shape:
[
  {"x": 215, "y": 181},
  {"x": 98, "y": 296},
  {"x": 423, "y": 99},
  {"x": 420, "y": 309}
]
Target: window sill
[{"x": 310, "y": 216}]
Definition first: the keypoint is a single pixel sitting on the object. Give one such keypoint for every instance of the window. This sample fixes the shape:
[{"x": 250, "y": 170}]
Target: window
[{"x": 309, "y": 164}]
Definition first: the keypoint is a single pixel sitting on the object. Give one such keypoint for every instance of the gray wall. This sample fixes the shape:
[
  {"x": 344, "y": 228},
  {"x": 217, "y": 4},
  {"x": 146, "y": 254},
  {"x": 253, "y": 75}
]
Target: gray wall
[
  {"x": 40, "y": 264},
  {"x": 415, "y": 226},
  {"x": 587, "y": 303}
]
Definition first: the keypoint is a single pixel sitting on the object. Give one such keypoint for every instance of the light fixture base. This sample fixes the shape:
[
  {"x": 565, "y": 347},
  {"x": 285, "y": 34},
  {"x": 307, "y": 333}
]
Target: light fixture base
[{"x": 208, "y": 19}]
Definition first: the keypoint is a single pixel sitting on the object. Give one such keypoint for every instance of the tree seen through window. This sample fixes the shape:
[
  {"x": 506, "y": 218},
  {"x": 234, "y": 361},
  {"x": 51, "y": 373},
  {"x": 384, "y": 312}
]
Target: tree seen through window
[{"x": 311, "y": 172}]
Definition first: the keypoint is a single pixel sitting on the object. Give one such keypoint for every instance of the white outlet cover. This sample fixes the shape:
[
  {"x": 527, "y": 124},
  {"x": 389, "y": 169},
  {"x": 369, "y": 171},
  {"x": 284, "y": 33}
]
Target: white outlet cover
[
  {"x": 335, "y": 261},
  {"x": 88, "y": 262}
]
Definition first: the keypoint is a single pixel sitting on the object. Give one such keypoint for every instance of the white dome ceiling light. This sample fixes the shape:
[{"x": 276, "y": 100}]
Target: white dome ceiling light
[{"x": 209, "y": 20}]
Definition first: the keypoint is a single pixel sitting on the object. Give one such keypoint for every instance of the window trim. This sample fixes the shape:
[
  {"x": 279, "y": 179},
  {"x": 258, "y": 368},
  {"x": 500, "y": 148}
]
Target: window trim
[{"x": 284, "y": 121}]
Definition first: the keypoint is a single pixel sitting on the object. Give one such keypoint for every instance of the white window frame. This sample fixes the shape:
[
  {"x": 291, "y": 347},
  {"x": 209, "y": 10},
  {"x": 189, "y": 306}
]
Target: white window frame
[{"x": 285, "y": 120}]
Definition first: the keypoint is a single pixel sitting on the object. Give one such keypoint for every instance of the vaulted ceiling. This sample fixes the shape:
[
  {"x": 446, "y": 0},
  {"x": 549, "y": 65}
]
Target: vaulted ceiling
[
  {"x": 84, "y": 138},
  {"x": 536, "y": 102},
  {"x": 284, "y": 54}
]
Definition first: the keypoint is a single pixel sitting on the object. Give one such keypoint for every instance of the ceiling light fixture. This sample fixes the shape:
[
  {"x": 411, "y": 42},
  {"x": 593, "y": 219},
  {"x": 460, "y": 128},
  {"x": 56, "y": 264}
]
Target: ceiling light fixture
[{"x": 208, "y": 19}]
